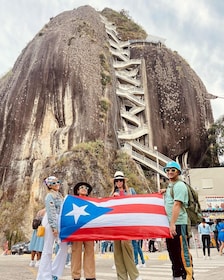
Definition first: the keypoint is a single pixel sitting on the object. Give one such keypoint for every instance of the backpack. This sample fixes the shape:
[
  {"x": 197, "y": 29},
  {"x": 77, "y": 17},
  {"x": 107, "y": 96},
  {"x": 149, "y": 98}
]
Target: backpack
[
  {"x": 193, "y": 208},
  {"x": 36, "y": 223}
]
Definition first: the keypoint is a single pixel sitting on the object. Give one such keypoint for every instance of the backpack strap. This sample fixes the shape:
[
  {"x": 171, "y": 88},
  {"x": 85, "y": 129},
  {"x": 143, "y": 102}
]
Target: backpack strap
[
  {"x": 171, "y": 189},
  {"x": 172, "y": 193}
]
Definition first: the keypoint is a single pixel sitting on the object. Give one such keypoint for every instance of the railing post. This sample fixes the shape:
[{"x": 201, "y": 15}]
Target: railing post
[{"x": 157, "y": 166}]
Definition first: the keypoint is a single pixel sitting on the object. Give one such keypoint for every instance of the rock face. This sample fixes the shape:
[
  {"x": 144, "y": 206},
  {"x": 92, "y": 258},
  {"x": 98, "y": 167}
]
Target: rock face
[
  {"x": 62, "y": 92},
  {"x": 54, "y": 96},
  {"x": 179, "y": 110}
]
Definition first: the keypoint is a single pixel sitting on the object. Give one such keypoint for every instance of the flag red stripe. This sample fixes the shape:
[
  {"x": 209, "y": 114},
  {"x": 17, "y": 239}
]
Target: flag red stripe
[
  {"x": 138, "y": 208},
  {"x": 119, "y": 233}
]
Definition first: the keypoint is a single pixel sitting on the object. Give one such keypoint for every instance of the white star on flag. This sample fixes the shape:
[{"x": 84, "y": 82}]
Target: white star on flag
[{"x": 77, "y": 212}]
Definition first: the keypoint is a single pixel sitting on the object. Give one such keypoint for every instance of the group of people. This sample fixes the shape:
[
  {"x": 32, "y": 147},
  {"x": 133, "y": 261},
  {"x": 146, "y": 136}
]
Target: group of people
[
  {"x": 123, "y": 251},
  {"x": 125, "y": 258},
  {"x": 51, "y": 270},
  {"x": 205, "y": 231},
  {"x": 106, "y": 245}
]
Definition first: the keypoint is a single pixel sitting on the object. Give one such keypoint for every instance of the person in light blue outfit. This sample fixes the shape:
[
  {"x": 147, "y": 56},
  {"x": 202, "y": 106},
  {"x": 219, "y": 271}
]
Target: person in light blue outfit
[
  {"x": 49, "y": 269},
  {"x": 104, "y": 245},
  {"x": 205, "y": 231},
  {"x": 215, "y": 232},
  {"x": 69, "y": 255},
  {"x": 36, "y": 243},
  {"x": 220, "y": 228},
  {"x": 138, "y": 251}
]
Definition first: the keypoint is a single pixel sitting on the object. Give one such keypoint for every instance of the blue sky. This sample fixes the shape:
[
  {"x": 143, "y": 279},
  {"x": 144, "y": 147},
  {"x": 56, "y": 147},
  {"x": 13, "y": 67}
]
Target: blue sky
[{"x": 195, "y": 29}]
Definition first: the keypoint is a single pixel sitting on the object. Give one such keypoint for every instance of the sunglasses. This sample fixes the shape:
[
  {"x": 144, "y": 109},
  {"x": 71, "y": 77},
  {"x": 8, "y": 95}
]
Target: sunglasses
[
  {"x": 172, "y": 170},
  {"x": 83, "y": 187},
  {"x": 55, "y": 183},
  {"x": 118, "y": 180}
]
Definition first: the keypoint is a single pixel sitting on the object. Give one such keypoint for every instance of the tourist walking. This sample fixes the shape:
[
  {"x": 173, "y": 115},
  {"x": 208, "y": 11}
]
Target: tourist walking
[
  {"x": 220, "y": 228},
  {"x": 214, "y": 228},
  {"x": 36, "y": 242},
  {"x": 138, "y": 252},
  {"x": 205, "y": 233},
  {"x": 151, "y": 245}
]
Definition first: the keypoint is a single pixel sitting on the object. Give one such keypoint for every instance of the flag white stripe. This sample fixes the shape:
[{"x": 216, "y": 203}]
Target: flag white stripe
[
  {"x": 130, "y": 200},
  {"x": 132, "y": 219}
]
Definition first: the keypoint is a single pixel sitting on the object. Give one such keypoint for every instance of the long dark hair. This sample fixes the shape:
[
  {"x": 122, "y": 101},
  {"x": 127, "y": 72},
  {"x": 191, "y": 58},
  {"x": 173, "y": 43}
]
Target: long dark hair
[{"x": 115, "y": 188}]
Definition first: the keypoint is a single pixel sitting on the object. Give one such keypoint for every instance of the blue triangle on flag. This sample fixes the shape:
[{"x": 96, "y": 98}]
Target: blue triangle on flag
[{"x": 77, "y": 212}]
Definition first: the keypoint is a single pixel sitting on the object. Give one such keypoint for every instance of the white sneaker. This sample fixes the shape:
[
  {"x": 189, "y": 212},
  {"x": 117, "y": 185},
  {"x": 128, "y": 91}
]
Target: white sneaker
[
  {"x": 204, "y": 257},
  {"x": 37, "y": 263},
  {"x": 143, "y": 265},
  {"x": 32, "y": 263},
  {"x": 113, "y": 266},
  {"x": 137, "y": 266}
]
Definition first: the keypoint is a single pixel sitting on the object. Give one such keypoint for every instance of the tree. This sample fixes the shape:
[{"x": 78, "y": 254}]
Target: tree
[{"x": 216, "y": 141}]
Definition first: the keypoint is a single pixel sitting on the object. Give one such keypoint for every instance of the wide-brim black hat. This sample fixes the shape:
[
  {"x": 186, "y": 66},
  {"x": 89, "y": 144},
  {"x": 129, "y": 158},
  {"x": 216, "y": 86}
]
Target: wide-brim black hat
[{"x": 76, "y": 187}]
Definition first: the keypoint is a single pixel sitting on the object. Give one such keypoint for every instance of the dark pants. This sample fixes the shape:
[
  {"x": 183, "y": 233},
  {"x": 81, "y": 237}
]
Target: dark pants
[
  {"x": 179, "y": 254},
  {"x": 152, "y": 247},
  {"x": 216, "y": 240},
  {"x": 206, "y": 239}
]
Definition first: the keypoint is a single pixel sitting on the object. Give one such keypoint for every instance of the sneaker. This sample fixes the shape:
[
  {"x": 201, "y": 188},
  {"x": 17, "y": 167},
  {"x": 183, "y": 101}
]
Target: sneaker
[
  {"x": 37, "y": 263},
  {"x": 137, "y": 266},
  {"x": 144, "y": 265},
  {"x": 32, "y": 263},
  {"x": 113, "y": 266},
  {"x": 204, "y": 257},
  {"x": 209, "y": 258}
]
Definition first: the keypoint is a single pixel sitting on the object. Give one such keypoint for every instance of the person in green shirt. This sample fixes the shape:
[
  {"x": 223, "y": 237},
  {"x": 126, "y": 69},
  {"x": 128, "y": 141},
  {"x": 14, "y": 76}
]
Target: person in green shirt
[{"x": 175, "y": 204}]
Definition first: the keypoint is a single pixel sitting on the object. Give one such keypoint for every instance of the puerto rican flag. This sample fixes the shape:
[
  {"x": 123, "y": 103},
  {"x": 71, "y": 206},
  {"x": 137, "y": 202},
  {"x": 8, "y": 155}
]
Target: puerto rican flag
[{"x": 113, "y": 218}]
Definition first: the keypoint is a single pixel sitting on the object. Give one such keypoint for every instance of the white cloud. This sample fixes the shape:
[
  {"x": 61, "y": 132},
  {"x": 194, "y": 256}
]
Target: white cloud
[{"x": 193, "y": 28}]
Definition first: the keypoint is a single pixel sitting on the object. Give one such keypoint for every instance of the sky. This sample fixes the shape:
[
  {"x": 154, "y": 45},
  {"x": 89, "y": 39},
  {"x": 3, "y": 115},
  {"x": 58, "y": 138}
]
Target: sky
[{"x": 195, "y": 29}]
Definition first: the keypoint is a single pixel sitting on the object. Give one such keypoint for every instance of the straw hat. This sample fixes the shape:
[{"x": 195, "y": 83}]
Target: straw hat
[{"x": 119, "y": 175}]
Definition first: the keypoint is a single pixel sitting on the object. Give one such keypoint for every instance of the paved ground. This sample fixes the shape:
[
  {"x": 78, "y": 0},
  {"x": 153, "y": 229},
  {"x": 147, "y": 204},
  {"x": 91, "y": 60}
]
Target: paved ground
[{"x": 158, "y": 267}]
